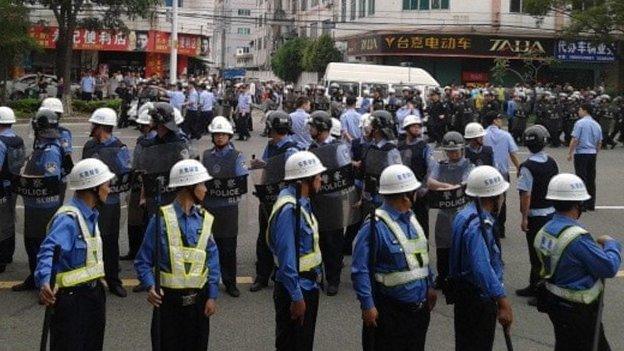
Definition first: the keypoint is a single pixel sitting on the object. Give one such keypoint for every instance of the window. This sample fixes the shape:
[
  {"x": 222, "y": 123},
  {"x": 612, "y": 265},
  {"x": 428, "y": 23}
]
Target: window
[
  {"x": 343, "y": 11},
  {"x": 303, "y": 32},
  {"x": 244, "y": 31},
  {"x": 353, "y": 10},
  {"x": 362, "y": 9},
  {"x": 515, "y": 6},
  {"x": 371, "y": 7},
  {"x": 294, "y": 7},
  {"x": 326, "y": 27},
  {"x": 304, "y": 5},
  {"x": 313, "y": 29},
  {"x": 244, "y": 12},
  {"x": 426, "y": 5}
]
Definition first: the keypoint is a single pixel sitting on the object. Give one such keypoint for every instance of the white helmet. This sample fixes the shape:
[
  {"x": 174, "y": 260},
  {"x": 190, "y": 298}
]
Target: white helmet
[
  {"x": 397, "y": 179},
  {"x": 104, "y": 116},
  {"x": 178, "y": 116},
  {"x": 146, "y": 107},
  {"x": 336, "y": 127},
  {"x": 144, "y": 118},
  {"x": 188, "y": 172},
  {"x": 7, "y": 116},
  {"x": 53, "y": 104},
  {"x": 567, "y": 187},
  {"x": 474, "y": 130},
  {"x": 89, "y": 173},
  {"x": 220, "y": 124},
  {"x": 302, "y": 164},
  {"x": 365, "y": 120},
  {"x": 411, "y": 120},
  {"x": 485, "y": 181}
]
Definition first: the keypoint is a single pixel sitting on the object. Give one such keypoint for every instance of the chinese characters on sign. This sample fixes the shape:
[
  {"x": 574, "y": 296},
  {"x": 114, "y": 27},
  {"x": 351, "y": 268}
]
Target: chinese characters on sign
[
  {"x": 427, "y": 42},
  {"x": 583, "y": 51}
]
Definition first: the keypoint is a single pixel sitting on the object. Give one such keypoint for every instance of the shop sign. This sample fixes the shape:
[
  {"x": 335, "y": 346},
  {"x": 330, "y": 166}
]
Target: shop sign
[
  {"x": 478, "y": 77},
  {"x": 583, "y": 51},
  {"x": 188, "y": 45}
]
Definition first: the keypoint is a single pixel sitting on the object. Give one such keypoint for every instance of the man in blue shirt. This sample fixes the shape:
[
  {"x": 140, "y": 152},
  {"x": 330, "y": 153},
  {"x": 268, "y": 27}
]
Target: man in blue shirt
[
  {"x": 406, "y": 110},
  {"x": 294, "y": 243},
  {"x": 176, "y": 96},
  {"x": 87, "y": 86},
  {"x": 351, "y": 120},
  {"x": 392, "y": 279},
  {"x": 574, "y": 268},
  {"x": 585, "y": 144},
  {"x": 504, "y": 148},
  {"x": 227, "y": 166},
  {"x": 476, "y": 266},
  {"x": 79, "y": 303},
  {"x": 192, "y": 110},
  {"x": 105, "y": 146},
  {"x": 300, "y": 119},
  {"x": 189, "y": 262},
  {"x": 243, "y": 114},
  {"x": 206, "y": 105}
]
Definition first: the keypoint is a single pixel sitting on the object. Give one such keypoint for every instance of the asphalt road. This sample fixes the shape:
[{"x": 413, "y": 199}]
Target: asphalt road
[{"x": 247, "y": 323}]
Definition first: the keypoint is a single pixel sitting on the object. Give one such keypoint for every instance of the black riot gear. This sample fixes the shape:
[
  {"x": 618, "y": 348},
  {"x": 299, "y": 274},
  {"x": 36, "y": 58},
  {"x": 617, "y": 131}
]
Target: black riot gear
[
  {"x": 383, "y": 121},
  {"x": 453, "y": 141},
  {"x": 163, "y": 114},
  {"x": 535, "y": 138},
  {"x": 280, "y": 122},
  {"x": 320, "y": 120}
]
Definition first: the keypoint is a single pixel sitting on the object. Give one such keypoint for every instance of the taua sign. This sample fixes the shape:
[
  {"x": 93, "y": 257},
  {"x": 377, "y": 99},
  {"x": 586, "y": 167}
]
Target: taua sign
[{"x": 517, "y": 46}]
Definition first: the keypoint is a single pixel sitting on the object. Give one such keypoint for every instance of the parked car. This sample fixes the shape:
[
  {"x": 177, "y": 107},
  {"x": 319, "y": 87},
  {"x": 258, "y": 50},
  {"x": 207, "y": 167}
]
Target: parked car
[{"x": 26, "y": 86}]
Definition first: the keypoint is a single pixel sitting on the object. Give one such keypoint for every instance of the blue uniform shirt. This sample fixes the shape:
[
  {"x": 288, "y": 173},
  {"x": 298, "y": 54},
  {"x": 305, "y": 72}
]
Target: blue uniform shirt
[
  {"x": 364, "y": 106},
  {"x": 350, "y": 122},
  {"x": 481, "y": 262},
  {"x": 244, "y": 103},
  {"x": 3, "y": 150},
  {"x": 390, "y": 258},
  {"x": 282, "y": 245},
  {"x": 503, "y": 144},
  {"x": 403, "y": 112},
  {"x": 87, "y": 84},
  {"x": 176, "y": 98},
  {"x": 65, "y": 232},
  {"x": 301, "y": 132},
  {"x": 583, "y": 262},
  {"x": 588, "y": 133},
  {"x": 49, "y": 164},
  {"x": 206, "y": 100},
  {"x": 66, "y": 140},
  {"x": 525, "y": 183},
  {"x": 193, "y": 100},
  {"x": 267, "y": 154},
  {"x": 190, "y": 227},
  {"x": 241, "y": 170}
]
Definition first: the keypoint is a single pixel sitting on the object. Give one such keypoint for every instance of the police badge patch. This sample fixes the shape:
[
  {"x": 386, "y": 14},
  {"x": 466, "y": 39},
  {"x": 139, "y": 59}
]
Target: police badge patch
[{"x": 50, "y": 167}]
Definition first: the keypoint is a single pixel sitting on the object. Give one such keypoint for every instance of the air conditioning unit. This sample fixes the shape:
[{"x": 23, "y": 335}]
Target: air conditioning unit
[{"x": 240, "y": 51}]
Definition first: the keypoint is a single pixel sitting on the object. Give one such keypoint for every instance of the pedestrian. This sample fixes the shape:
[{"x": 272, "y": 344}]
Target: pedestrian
[
  {"x": 65, "y": 140},
  {"x": 227, "y": 166},
  {"x": 243, "y": 114},
  {"x": 279, "y": 147},
  {"x": 12, "y": 155},
  {"x": 207, "y": 101},
  {"x": 476, "y": 268},
  {"x": 40, "y": 184},
  {"x": 293, "y": 239},
  {"x": 536, "y": 210},
  {"x": 406, "y": 110},
  {"x": 105, "y": 146},
  {"x": 87, "y": 86},
  {"x": 192, "y": 111},
  {"x": 351, "y": 120},
  {"x": 505, "y": 149},
  {"x": 437, "y": 122},
  {"x": 585, "y": 144},
  {"x": 79, "y": 303},
  {"x": 574, "y": 267},
  {"x": 476, "y": 152},
  {"x": 390, "y": 269},
  {"x": 300, "y": 119},
  {"x": 189, "y": 262}
]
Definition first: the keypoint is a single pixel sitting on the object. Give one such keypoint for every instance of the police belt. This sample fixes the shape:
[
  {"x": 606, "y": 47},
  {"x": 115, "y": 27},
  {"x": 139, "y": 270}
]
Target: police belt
[
  {"x": 88, "y": 286},
  {"x": 268, "y": 193},
  {"x": 227, "y": 187},
  {"x": 36, "y": 186},
  {"x": 337, "y": 179},
  {"x": 150, "y": 184},
  {"x": 382, "y": 299},
  {"x": 183, "y": 297},
  {"x": 122, "y": 182},
  {"x": 447, "y": 199}
]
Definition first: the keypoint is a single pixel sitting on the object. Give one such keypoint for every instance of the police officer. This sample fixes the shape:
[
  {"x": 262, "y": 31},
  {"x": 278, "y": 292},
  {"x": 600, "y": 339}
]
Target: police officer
[
  {"x": 351, "y": 120},
  {"x": 447, "y": 175},
  {"x": 12, "y": 154},
  {"x": 406, "y": 110},
  {"x": 571, "y": 116},
  {"x": 574, "y": 267},
  {"x": 604, "y": 116},
  {"x": 105, "y": 146},
  {"x": 390, "y": 269},
  {"x": 227, "y": 166},
  {"x": 393, "y": 103},
  {"x": 189, "y": 262},
  {"x": 521, "y": 115},
  {"x": 79, "y": 314},
  {"x": 280, "y": 145},
  {"x": 320, "y": 101},
  {"x": 40, "y": 200},
  {"x": 476, "y": 152},
  {"x": 378, "y": 101},
  {"x": 476, "y": 266},
  {"x": 418, "y": 156},
  {"x": 490, "y": 105},
  {"x": 536, "y": 210},
  {"x": 438, "y": 114},
  {"x": 294, "y": 242}
]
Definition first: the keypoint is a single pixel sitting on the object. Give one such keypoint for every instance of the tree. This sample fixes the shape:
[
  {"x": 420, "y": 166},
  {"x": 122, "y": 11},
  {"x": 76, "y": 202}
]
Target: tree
[
  {"x": 92, "y": 14},
  {"x": 319, "y": 53},
  {"x": 532, "y": 65},
  {"x": 15, "y": 39},
  {"x": 287, "y": 61},
  {"x": 600, "y": 21}
]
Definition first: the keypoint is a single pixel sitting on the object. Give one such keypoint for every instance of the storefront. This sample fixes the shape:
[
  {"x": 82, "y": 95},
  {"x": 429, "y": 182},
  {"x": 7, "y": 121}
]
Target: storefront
[{"x": 468, "y": 59}]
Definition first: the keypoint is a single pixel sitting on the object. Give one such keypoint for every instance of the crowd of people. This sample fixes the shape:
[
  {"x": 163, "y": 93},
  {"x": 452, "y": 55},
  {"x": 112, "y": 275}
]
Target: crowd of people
[{"x": 339, "y": 175}]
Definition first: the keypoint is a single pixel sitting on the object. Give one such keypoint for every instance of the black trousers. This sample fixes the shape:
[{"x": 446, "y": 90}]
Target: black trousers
[
  {"x": 205, "y": 119},
  {"x": 421, "y": 211},
  {"x": 290, "y": 335},
  {"x": 190, "y": 122},
  {"x": 400, "y": 326},
  {"x": 242, "y": 124},
  {"x": 227, "y": 259},
  {"x": 182, "y": 328},
  {"x": 574, "y": 325},
  {"x": 475, "y": 324},
  {"x": 109, "y": 228},
  {"x": 331, "y": 244},
  {"x": 535, "y": 224},
  {"x": 135, "y": 238},
  {"x": 585, "y": 168},
  {"x": 35, "y": 228},
  {"x": 7, "y": 229},
  {"x": 78, "y": 320},
  {"x": 264, "y": 257},
  {"x": 436, "y": 132},
  {"x": 350, "y": 234},
  {"x": 443, "y": 261},
  {"x": 501, "y": 218},
  {"x": 86, "y": 96}
]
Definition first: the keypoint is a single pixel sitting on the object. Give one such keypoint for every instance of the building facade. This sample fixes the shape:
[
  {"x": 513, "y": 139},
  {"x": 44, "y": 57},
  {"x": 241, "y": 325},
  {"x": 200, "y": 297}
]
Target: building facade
[{"x": 234, "y": 32}]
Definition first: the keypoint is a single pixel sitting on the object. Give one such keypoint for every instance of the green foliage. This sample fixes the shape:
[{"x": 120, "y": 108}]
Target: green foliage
[
  {"x": 27, "y": 107},
  {"x": 319, "y": 53},
  {"x": 532, "y": 65},
  {"x": 287, "y": 61}
]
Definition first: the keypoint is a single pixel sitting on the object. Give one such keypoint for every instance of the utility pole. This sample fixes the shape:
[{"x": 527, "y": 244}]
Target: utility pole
[{"x": 173, "y": 60}]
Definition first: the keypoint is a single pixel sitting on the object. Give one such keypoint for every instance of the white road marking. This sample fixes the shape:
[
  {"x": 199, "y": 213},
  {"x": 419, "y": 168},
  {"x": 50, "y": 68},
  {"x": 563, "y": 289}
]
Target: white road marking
[{"x": 610, "y": 207}]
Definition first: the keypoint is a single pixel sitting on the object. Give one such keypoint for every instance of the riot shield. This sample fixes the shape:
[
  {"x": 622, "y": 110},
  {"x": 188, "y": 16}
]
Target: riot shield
[
  {"x": 269, "y": 181},
  {"x": 124, "y": 178},
  {"x": 374, "y": 163},
  {"x": 447, "y": 199},
  {"x": 334, "y": 205},
  {"x": 230, "y": 189}
]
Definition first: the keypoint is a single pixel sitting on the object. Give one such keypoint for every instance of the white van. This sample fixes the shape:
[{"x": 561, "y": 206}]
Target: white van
[{"x": 357, "y": 78}]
